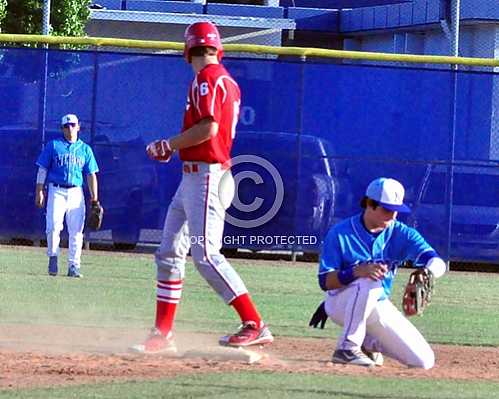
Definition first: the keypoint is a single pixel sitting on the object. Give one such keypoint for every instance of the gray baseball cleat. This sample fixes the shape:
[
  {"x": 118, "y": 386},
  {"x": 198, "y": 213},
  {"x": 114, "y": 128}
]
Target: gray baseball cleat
[
  {"x": 352, "y": 356},
  {"x": 74, "y": 271}
]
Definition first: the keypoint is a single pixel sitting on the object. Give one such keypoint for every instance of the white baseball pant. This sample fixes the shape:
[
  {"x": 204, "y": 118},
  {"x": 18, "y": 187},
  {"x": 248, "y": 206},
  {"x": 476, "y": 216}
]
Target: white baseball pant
[
  {"x": 376, "y": 324},
  {"x": 68, "y": 203}
]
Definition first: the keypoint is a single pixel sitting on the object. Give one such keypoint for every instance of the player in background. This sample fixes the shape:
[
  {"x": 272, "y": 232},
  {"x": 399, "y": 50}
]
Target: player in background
[
  {"x": 62, "y": 165},
  {"x": 358, "y": 262},
  {"x": 195, "y": 217}
]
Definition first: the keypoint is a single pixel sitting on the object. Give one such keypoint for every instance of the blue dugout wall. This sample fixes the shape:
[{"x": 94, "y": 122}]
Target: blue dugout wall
[{"x": 327, "y": 129}]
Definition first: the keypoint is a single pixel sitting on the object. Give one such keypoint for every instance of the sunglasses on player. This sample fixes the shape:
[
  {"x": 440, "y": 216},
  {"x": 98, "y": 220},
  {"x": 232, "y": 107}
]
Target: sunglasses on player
[{"x": 67, "y": 125}]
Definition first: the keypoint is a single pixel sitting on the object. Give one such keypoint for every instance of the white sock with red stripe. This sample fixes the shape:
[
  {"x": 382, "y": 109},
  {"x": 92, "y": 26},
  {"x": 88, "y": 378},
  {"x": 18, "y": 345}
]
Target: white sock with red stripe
[{"x": 168, "y": 295}]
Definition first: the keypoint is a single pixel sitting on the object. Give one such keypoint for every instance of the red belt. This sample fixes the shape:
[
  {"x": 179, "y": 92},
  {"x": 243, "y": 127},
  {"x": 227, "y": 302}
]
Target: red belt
[{"x": 192, "y": 168}]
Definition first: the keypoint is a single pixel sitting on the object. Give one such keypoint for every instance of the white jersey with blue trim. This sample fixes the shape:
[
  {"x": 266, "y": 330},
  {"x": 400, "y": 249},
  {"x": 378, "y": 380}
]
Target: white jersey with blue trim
[
  {"x": 349, "y": 243},
  {"x": 67, "y": 162}
]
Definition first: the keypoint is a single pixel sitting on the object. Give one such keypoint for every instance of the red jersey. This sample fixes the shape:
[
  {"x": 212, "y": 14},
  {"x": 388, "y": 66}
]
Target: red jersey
[{"x": 215, "y": 94}]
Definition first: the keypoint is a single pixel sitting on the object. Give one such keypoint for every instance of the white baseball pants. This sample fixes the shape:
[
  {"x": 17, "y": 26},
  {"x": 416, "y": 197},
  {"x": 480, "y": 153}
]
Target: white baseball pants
[
  {"x": 376, "y": 324},
  {"x": 68, "y": 203},
  {"x": 195, "y": 220}
]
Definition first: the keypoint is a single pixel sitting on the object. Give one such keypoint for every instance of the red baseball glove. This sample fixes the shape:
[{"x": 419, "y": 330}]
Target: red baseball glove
[
  {"x": 418, "y": 292},
  {"x": 159, "y": 150}
]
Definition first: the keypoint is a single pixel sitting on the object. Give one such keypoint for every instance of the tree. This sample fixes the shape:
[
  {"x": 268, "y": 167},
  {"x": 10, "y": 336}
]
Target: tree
[
  {"x": 70, "y": 17},
  {"x": 67, "y": 17},
  {"x": 3, "y": 12}
]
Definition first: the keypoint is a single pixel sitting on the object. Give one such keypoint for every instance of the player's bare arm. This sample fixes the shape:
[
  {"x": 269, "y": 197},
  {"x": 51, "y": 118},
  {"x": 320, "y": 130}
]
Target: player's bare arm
[
  {"x": 93, "y": 187},
  {"x": 162, "y": 150},
  {"x": 202, "y": 131},
  {"x": 40, "y": 187},
  {"x": 39, "y": 196},
  {"x": 332, "y": 281}
]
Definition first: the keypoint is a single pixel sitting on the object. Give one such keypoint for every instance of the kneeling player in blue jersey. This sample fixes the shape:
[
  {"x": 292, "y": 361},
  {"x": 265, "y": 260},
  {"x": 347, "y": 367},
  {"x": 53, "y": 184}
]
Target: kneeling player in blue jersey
[{"x": 359, "y": 260}]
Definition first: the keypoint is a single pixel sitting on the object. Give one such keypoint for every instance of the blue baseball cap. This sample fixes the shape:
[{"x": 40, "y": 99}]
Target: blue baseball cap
[
  {"x": 69, "y": 118},
  {"x": 389, "y": 193}
]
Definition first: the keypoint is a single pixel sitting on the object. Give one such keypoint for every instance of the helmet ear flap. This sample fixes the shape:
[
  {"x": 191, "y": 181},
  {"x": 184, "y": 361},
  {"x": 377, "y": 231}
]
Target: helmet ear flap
[
  {"x": 186, "y": 54},
  {"x": 220, "y": 54}
]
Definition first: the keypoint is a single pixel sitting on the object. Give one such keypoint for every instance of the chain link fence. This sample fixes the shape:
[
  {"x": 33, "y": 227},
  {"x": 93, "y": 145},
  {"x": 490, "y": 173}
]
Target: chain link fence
[
  {"x": 328, "y": 129},
  {"x": 436, "y": 128}
]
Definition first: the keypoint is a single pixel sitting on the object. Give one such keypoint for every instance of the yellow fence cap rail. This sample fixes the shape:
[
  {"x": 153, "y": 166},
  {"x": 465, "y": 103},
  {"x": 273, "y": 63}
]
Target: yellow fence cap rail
[{"x": 256, "y": 49}]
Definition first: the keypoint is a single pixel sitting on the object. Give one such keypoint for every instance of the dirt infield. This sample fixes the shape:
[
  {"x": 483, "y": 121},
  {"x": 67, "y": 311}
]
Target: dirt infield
[{"x": 57, "y": 355}]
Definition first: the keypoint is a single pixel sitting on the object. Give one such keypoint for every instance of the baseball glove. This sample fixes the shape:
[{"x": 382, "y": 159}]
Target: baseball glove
[
  {"x": 94, "y": 220},
  {"x": 159, "y": 150},
  {"x": 418, "y": 292},
  {"x": 319, "y": 318}
]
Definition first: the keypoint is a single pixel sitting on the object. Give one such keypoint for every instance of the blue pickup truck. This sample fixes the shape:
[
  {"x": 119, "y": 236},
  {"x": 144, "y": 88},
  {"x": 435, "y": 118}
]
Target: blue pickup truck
[{"x": 474, "y": 213}]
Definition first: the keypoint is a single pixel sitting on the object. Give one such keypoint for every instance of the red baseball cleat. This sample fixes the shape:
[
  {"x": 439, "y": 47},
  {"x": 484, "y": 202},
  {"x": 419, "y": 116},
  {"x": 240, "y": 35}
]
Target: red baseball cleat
[
  {"x": 156, "y": 343},
  {"x": 248, "y": 334}
]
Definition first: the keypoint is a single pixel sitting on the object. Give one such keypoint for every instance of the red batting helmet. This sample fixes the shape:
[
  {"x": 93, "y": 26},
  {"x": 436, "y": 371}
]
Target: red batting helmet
[{"x": 202, "y": 34}]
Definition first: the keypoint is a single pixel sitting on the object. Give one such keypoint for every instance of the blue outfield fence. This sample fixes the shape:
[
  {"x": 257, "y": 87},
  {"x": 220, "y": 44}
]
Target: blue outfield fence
[{"x": 326, "y": 129}]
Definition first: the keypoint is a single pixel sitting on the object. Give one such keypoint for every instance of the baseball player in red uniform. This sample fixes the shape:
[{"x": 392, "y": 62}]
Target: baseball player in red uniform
[{"x": 195, "y": 217}]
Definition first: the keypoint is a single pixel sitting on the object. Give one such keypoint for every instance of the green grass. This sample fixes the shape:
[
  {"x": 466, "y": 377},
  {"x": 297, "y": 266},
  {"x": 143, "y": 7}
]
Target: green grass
[
  {"x": 272, "y": 385},
  {"x": 119, "y": 290}
]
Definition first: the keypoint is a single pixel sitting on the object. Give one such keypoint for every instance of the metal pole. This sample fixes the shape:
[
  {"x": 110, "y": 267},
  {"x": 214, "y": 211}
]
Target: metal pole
[
  {"x": 455, "y": 12},
  {"x": 42, "y": 117},
  {"x": 299, "y": 125},
  {"x": 46, "y": 17},
  {"x": 95, "y": 81},
  {"x": 43, "y": 86}
]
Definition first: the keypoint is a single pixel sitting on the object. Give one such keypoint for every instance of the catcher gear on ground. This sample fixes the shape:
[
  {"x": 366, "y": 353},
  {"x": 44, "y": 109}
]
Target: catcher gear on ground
[
  {"x": 418, "y": 291},
  {"x": 319, "y": 317},
  {"x": 202, "y": 34},
  {"x": 94, "y": 220},
  {"x": 159, "y": 150}
]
